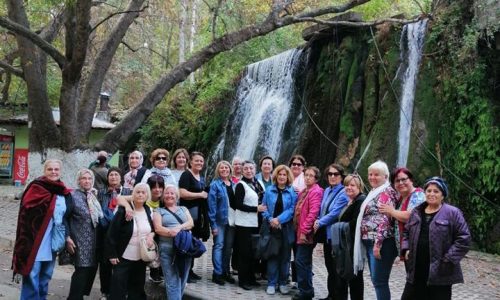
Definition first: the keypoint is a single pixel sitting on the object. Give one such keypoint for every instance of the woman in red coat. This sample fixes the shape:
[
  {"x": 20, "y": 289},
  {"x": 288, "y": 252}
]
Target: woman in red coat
[{"x": 306, "y": 212}]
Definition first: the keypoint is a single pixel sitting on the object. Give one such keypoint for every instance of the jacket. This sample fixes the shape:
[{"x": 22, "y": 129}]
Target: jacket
[
  {"x": 308, "y": 213},
  {"x": 289, "y": 200},
  {"x": 218, "y": 203},
  {"x": 334, "y": 200},
  {"x": 342, "y": 249},
  {"x": 119, "y": 233},
  {"x": 449, "y": 241}
]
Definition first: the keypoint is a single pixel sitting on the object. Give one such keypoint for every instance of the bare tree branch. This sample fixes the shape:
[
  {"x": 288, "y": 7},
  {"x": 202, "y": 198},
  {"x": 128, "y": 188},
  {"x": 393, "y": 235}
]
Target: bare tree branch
[
  {"x": 361, "y": 24},
  {"x": 149, "y": 49},
  {"x": 102, "y": 62},
  {"x": 118, "y": 13},
  {"x": 11, "y": 69},
  {"x": 35, "y": 38}
]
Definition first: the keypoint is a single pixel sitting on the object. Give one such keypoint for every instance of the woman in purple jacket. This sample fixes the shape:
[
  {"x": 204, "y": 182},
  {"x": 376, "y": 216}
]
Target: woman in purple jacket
[{"x": 435, "y": 239}]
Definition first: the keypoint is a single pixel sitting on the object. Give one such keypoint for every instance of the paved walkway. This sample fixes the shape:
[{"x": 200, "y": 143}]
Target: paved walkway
[{"x": 481, "y": 270}]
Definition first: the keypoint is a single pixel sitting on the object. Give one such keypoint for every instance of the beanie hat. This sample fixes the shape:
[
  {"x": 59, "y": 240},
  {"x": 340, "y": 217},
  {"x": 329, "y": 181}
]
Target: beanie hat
[{"x": 440, "y": 183}]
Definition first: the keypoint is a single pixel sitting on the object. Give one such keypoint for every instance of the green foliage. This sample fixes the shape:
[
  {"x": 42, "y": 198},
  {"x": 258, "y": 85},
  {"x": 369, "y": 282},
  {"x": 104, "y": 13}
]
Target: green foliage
[{"x": 470, "y": 136}]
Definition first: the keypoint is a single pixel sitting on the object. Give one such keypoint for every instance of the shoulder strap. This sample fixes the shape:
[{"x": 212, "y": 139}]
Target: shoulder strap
[{"x": 175, "y": 215}]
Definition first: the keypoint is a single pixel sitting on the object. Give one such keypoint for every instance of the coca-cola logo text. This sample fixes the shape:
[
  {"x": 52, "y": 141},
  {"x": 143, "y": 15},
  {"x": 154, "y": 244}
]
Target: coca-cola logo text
[{"x": 21, "y": 162}]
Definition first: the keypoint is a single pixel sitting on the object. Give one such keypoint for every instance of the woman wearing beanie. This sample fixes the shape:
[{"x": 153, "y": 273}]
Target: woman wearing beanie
[{"x": 435, "y": 239}]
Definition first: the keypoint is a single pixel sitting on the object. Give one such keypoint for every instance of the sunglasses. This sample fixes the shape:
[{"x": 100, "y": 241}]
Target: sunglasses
[
  {"x": 296, "y": 164},
  {"x": 333, "y": 174},
  {"x": 161, "y": 158}
]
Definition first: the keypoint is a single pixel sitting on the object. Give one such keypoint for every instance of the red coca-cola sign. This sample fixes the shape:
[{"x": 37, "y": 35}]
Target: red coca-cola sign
[{"x": 21, "y": 165}]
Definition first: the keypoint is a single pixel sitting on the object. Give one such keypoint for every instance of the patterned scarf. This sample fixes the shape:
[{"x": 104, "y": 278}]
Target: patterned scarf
[{"x": 94, "y": 206}]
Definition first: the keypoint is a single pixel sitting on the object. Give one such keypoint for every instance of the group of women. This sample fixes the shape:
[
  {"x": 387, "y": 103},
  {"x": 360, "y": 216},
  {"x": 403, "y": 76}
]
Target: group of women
[
  {"x": 285, "y": 204},
  {"x": 395, "y": 218}
]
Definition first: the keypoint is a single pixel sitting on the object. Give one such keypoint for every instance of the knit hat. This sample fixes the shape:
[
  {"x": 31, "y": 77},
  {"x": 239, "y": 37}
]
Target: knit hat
[{"x": 440, "y": 183}]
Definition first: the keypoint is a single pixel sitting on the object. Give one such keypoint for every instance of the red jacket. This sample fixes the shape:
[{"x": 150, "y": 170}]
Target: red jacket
[{"x": 308, "y": 213}]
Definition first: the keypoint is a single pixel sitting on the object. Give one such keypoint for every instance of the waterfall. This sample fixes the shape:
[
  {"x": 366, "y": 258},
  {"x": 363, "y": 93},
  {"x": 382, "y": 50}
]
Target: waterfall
[
  {"x": 413, "y": 34},
  {"x": 264, "y": 100}
]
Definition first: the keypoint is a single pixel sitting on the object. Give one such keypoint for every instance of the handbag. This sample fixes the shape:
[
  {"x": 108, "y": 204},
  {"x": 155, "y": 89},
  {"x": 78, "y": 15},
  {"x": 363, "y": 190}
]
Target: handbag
[
  {"x": 148, "y": 254},
  {"x": 185, "y": 243}
]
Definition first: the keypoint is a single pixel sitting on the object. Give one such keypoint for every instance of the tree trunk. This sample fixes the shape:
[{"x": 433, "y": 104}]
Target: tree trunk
[
  {"x": 92, "y": 86},
  {"x": 194, "y": 11},
  {"x": 43, "y": 131},
  {"x": 182, "y": 31}
]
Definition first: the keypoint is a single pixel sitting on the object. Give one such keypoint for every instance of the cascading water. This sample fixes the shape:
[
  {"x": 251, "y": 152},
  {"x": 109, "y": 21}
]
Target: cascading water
[
  {"x": 411, "y": 52},
  {"x": 264, "y": 100}
]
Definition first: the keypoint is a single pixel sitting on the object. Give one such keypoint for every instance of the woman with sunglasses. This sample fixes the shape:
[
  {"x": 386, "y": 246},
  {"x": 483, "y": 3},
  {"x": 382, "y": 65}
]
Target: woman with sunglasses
[
  {"x": 334, "y": 200},
  {"x": 297, "y": 164},
  {"x": 409, "y": 198},
  {"x": 159, "y": 160}
]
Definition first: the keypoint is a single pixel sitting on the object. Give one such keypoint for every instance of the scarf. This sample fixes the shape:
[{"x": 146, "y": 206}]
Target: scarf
[
  {"x": 153, "y": 204},
  {"x": 129, "y": 178},
  {"x": 359, "y": 248},
  {"x": 36, "y": 210},
  {"x": 94, "y": 206}
]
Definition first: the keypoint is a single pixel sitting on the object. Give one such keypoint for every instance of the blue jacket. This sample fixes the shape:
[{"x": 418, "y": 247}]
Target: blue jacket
[
  {"x": 289, "y": 201},
  {"x": 218, "y": 203},
  {"x": 331, "y": 207}
]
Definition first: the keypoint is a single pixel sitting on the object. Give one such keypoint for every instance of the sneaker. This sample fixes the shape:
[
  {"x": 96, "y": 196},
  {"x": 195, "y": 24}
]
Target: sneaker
[
  {"x": 271, "y": 290},
  {"x": 294, "y": 286},
  {"x": 284, "y": 289},
  {"x": 104, "y": 297}
]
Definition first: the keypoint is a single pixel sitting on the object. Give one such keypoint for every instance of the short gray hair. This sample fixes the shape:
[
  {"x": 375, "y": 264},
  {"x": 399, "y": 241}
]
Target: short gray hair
[{"x": 381, "y": 167}]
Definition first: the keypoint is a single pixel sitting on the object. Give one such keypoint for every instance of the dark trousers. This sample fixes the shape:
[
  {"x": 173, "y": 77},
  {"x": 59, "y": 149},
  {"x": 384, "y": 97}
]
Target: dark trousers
[
  {"x": 81, "y": 282},
  {"x": 423, "y": 291},
  {"x": 105, "y": 273},
  {"x": 330, "y": 268},
  {"x": 355, "y": 287},
  {"x": 128, "y": 279},
  {"x": 246, "y": 260}
]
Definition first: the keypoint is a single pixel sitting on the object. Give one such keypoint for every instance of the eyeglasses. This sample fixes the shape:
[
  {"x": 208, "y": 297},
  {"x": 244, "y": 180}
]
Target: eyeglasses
[
  {"x": 296, "y": 165},
  {"x": 401, "y": 180},
  {"x": 161, "y": 158},
  {"x": 333, "y": 174}
]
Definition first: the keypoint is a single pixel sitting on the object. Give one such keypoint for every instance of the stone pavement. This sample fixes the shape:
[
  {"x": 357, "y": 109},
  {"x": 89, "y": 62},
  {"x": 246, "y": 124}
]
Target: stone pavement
[{"x": 481, "y": 270}]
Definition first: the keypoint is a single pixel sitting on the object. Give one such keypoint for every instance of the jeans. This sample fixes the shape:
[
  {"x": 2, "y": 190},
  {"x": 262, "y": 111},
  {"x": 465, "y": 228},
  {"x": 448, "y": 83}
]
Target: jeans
[
  {"x": 218, "y": 251},
  {"x": 36, "y": 285},
  {"x": 380, "y": 269},
  {"x": 303, "y": 264},
  {"x": 128, "y": 278},
  {"x": 278, "y": 266},
  {"x": 175, "y": 271}
]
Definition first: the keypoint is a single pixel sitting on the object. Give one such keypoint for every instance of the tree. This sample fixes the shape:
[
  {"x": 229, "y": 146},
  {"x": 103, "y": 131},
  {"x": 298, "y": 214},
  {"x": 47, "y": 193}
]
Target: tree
[{"x": 79, "y": 94}]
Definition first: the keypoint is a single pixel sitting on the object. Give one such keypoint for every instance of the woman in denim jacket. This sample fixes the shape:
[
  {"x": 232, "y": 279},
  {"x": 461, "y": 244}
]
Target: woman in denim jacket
[
  {"x": 280, "y": 200},
  {"x": 221, "y": 215},
  {"x": 435, "y": 240}
]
